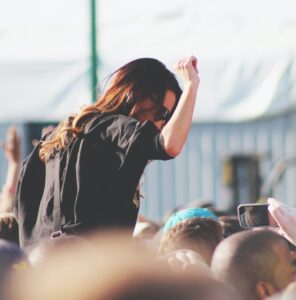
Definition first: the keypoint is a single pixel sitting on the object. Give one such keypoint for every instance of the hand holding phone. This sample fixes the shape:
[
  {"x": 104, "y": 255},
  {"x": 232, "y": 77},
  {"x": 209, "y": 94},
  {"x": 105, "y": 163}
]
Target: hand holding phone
[
  {"x": 255, "y": 215},
  {"x": 285, "y": 217}
]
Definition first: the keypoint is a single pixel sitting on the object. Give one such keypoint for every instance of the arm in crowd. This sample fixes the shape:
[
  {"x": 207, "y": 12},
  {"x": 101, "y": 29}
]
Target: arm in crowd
[{"x": 13, "y": 155}]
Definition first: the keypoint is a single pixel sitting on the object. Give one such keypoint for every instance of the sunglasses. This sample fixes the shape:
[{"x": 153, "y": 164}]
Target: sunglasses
[{"x": 163, "y": 114}]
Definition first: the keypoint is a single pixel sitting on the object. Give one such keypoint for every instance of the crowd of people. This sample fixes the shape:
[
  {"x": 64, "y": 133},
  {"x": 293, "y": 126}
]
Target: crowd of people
[{"x": 74, "y": 233}]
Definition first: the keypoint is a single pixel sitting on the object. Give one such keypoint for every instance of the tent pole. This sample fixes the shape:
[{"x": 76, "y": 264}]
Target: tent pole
[{"x": 93, "y": 51}]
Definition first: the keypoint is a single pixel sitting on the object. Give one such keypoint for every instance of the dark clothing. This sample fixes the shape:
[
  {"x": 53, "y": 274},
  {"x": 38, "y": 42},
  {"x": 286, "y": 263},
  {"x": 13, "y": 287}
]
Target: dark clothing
[{"x": 99, "y": 172}]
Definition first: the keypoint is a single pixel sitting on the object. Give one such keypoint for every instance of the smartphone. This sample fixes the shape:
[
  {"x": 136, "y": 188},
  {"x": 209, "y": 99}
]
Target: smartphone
[{"x": 255, "y": 215}]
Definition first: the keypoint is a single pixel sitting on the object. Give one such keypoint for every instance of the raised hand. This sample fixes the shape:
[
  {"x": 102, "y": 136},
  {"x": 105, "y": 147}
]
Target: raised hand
[
  {"x": 187, "y": 69},
  {"x": 285, "y": 216},
  {"x": 12, "y": 146}
]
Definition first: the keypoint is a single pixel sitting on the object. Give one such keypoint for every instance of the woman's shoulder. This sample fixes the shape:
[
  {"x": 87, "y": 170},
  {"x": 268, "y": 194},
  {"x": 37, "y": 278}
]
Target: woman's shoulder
[
  {"x": 113, "y": 120},
  {"x": 120, "y": 126}
]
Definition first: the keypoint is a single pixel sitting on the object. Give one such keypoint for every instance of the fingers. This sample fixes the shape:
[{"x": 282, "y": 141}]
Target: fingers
[
  {"x": 273, "y": 202},
  {"x": 187, "y": 69},
  {"x": 180, "y": 65},
  {"x": 12, "y": 136},
  {"x": 175, "y": 263},
  {"x": 274, "y": 209},
  {"x": 277, "y": 210},
  {"x": 191, "y": 61},
  {"x": 194, "y": 64},
  {"x": 188, "y": 62},
  {"x": 285, "y": 216},
  {"x": 183, "y": 258},
  {"x": 180, "y": 259},
  {"x": 11, "y": 145}
]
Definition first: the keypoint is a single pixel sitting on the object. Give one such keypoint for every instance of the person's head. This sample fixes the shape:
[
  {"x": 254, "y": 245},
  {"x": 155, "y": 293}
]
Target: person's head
[
  {"x": 12, "y": 259},
  {"x": 45, "y": 248},
  {"x": 184, "y": 260},
  {"x": 188, "y": 213},
  {"x": 143, "y": 88},
  {"x": 115, "y": 269},
  {"x": 230, "y": 225},
  {"x": 256, "y": 262},
  {"x": 201, "y": 235}
]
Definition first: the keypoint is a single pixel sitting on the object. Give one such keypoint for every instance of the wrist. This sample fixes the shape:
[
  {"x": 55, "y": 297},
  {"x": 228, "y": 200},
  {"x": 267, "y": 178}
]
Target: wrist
[
  {"x": 13, "y": 164},
  {"x": 192, "y": 84}
]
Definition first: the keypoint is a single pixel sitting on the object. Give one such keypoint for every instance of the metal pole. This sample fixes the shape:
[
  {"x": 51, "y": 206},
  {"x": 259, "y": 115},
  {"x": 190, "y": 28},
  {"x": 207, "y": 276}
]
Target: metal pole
[{"x": 93, "y": 51}]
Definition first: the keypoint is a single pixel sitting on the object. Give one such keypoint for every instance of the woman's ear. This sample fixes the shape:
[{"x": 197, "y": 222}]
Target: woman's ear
[{"x": 264, "y": 289}]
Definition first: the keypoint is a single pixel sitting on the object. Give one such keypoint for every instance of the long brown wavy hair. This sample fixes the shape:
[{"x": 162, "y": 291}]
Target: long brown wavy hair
[{"x": 132, "y": 83}]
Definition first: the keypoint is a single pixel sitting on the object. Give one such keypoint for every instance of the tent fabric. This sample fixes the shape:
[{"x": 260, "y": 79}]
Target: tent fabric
[{"x": 246, "y": 52}]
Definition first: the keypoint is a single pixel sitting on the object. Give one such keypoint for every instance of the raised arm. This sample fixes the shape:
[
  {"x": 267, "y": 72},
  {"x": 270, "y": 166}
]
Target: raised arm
[
  {"x": 13, "y": 156},
  {"x": 176, "y": 130}
]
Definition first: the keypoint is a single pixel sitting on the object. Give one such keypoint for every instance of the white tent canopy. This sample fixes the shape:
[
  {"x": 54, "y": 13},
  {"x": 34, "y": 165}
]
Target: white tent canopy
[{"x": 246, "y": 52}]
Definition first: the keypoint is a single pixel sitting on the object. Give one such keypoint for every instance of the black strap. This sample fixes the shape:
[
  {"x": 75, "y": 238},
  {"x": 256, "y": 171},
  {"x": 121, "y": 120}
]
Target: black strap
[{"x": 57, "y": 222}]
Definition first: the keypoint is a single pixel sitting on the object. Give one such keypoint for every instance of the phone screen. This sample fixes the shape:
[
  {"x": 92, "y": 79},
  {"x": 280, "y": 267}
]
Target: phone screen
[{"x": 255, "y": 215}]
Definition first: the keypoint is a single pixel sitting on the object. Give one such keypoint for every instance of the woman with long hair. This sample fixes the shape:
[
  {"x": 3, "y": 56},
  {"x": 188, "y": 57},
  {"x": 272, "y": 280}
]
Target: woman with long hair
[{"x": 93, "y": 160}]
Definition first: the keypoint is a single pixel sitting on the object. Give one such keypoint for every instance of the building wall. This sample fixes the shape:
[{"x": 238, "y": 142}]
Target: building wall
[{"x": 197, "y": 172}]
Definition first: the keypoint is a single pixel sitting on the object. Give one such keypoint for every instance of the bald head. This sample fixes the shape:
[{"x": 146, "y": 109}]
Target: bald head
[{"x": 246, "y": 258}]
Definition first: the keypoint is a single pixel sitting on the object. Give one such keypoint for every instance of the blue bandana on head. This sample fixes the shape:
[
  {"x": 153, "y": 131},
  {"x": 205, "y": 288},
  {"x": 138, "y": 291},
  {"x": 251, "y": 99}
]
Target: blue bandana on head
[{"x": 186, "y": 214}]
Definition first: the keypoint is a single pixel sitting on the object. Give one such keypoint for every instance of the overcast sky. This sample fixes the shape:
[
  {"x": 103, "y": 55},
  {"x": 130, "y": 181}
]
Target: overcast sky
[
  {"x": 59, "y": 29},
  {"x": 246, "y": 50}
]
